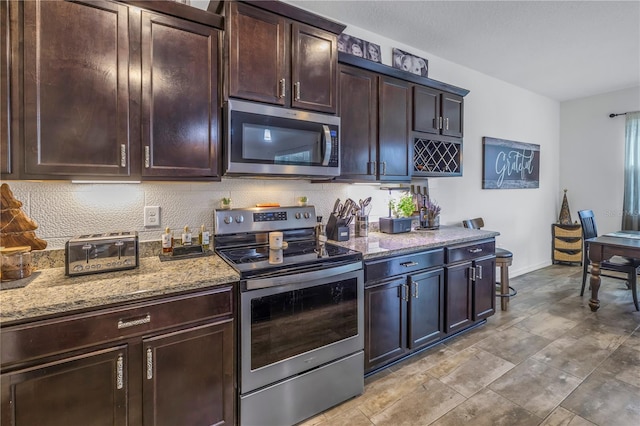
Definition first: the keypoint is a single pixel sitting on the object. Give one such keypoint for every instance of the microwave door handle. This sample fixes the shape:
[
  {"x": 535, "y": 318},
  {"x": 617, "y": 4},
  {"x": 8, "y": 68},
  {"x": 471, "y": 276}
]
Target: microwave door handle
[{"x": 327, "y": 145}]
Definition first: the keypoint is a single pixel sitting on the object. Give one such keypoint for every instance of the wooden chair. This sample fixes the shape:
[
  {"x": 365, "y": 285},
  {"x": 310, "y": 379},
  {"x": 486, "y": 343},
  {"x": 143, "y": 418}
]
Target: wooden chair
[
  {"x": 625, "y": 265},
  {"x": 504, "y": 259}
]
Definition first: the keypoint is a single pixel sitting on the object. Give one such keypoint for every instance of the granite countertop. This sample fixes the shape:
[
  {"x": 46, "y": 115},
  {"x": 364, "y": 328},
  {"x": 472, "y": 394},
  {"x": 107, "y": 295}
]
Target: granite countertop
[
  {"x": 378, "y": 244},
  {"x": 50, "y": 292}
]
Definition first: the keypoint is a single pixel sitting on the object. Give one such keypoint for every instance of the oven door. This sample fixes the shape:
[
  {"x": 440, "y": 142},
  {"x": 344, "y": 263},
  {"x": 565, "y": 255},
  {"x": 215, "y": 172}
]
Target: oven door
[
  {"x": 268, "y": 140},
  {"x": 292, "y": 328}
]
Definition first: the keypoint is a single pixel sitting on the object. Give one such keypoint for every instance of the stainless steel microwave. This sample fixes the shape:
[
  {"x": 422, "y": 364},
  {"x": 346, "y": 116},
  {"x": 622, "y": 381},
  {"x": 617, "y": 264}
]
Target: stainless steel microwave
[{"x": 264, "y": 140}]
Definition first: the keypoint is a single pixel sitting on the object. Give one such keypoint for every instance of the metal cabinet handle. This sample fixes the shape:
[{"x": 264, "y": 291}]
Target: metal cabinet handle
[
  {"x": 403, "y": 292},
  {"x": 439, "y": 122},
  {"x": 375, "y": 167},
  {"x": 384, "y": 168},
  {"x": 447, "y": 123},
  {"x": 479, "y": 270},
  {"x": 147, "y": 157},
  {"x": 475, "y": 250},
  {"x": 120, "y": 372},
  {"x": 297, "y": 90},
  {"x": 472, "y": 273},
  {"x": 133, "y": 323},
  {"x": 415, "y": 284},
  {"x": 409, "y": 264},
  {"x": 149, "y": 364},
  {"x": 283, "y": 88},
  {"x": 123, "y": 155}
]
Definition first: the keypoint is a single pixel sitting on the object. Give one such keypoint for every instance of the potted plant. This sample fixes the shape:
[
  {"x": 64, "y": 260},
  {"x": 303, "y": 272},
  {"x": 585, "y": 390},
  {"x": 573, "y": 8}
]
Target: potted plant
[
  {"x": 225, "y": 203},
  {"x": 401, "y": 214},
  {"x": 302, "y": 201}
]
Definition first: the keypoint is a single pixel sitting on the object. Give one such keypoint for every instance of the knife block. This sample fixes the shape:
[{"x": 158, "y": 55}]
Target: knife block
[{"x": 337, "y": 229}]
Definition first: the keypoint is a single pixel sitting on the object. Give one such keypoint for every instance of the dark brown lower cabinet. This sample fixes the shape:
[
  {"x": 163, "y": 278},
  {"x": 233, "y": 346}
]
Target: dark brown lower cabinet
[
  {"x": 88, "y": 389},
  {"x": 404, "y": 313},
  {"x": 413, "y": 301},
  {"x": 165, "y": 362}
]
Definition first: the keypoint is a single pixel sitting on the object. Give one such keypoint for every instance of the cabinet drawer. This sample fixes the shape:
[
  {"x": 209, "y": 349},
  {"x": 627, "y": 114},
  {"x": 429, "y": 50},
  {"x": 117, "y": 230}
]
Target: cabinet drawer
[
  {"x": 575, "y": 232},
  {"x": 568, "y": 244},
  {"x": 376, "y": 270},
  {"x": 47, "y": 337},
  {"x": 570, "y": 256},
  {"x": 463, "y": 252}
]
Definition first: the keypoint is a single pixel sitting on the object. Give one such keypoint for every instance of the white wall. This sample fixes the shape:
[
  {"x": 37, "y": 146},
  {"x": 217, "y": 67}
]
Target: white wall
[
  {"x": 592, "y": 150},
  {"x": 493, "y": 108}
]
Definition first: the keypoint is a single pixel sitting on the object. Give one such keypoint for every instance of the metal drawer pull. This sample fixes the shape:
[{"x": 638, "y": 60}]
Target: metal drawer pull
[
  {"x": 133, "y": 323},
  {"x": 123, "y": 155},
  {"x": 297, "y": 87},
  {"x": 149, "y": 364},
  {"x": 415, "y": 294},
  {"x": 147, "y": 157},
  {"x": 475, "y": 250},
  {"x": 409, "y": 264},
  {"x": 120, "y": 372}
]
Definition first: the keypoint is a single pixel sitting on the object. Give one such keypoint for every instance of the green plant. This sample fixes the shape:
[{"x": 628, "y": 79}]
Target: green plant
[
  {"x": 303, "y": 199},
  {"x": 226, "y": 200},
  {"x": 404, "y": 206}
]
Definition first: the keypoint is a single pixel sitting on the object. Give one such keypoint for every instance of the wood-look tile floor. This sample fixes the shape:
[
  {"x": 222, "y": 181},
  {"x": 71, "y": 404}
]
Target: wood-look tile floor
[{"x": 548, "y": 360}]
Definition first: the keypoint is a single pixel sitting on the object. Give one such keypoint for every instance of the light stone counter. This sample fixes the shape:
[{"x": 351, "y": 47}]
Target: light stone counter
[
  {"x": 379, "y": 244},
  {"x": 51, "y": 292}
]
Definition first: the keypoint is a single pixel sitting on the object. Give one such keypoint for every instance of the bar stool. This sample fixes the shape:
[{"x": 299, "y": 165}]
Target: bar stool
[{"x": 504, "y": 259}]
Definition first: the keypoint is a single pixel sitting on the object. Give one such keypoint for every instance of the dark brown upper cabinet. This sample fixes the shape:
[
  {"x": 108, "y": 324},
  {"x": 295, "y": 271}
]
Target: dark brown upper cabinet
[
  {"x": 5, "y": 91},
  {"x": 277, "y": 60},
  {"x": 102, "y": 90},
  {"x": 375, "y": 116},
  {"x": 437, "y": 112},
  {"x": 180, "y": 101},
  {"x": 77, "y": 115}
]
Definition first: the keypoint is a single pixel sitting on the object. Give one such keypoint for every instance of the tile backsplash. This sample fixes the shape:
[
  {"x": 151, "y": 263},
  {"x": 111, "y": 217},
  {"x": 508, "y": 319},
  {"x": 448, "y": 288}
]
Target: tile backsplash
[{"x": 63, "y": 209}]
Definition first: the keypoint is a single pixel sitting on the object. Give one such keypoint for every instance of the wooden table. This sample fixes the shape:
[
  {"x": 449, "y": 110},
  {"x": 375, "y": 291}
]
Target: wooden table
[{"x": 605, "y": 247}]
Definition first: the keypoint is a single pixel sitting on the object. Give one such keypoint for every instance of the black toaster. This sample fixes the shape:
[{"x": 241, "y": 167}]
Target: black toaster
[{"x": 95, "y": 253}]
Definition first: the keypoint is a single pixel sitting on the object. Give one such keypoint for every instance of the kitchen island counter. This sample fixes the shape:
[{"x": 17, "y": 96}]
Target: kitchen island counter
[
  {"x": 379, "y": 244},
  {"x": 50, "y": 292}
]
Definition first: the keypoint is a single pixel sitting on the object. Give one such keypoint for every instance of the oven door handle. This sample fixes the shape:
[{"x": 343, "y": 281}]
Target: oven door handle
[
  {"x": 327, "y": 145},
  {"x": 254, "y": 284}
]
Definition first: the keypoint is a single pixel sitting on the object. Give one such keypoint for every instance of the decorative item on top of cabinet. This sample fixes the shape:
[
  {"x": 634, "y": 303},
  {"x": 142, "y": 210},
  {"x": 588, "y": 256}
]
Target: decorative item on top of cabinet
[
  {"x": 566, "y": 243},
  {"x": 277, "y": 60}
]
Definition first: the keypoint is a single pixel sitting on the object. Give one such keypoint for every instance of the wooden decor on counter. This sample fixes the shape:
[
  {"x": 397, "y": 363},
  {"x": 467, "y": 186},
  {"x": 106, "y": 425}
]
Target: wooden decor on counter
[{"x": 16, "y": 228}]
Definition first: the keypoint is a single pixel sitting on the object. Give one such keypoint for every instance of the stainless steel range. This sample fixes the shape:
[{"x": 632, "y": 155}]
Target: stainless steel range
[{"x": 301, "y": 314}]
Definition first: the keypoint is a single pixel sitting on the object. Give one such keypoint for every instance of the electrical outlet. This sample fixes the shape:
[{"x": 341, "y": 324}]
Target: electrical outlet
[{"x": 152, "y": 216}]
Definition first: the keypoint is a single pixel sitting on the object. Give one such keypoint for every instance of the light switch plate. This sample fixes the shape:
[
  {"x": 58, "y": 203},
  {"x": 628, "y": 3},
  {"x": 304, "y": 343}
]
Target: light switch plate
[{"x": 152, "y": 216}]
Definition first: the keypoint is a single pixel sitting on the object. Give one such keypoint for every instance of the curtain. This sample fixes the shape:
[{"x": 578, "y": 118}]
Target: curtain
[{"x": 631, "y": 202}]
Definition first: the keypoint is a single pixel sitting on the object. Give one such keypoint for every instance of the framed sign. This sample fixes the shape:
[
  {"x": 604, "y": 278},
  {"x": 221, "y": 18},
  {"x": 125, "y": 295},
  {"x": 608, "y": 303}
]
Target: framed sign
[{"x": 509, "y": 164}]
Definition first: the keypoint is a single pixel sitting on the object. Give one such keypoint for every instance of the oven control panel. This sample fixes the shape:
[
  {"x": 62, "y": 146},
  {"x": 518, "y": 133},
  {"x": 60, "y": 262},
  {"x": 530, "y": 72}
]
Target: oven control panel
[{"x": 263, "y": 219}]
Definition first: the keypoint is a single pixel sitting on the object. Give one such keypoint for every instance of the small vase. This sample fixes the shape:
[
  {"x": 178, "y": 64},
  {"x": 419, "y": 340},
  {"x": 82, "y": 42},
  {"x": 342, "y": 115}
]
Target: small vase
[{"x": 433, "y": 222}]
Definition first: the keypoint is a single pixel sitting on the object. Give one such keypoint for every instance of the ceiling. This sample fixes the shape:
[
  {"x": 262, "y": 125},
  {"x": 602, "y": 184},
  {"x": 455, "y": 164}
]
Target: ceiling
[{"x": 560, "y": 49}]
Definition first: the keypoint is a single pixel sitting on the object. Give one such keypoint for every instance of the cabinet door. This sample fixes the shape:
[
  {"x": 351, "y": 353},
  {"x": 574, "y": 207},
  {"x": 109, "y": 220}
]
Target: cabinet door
[
  {"x": 426, "y": 110},
  {"x": 5, "y": 99},
  {"x": 180, "y": 104},
  {"x": 189, "y": 377},
  {"x": 358, "y": 124},
  {"x": 257, "y": 56},
  {"x": 385, "y": 336},
  {"x": 426, "y": 305},
  {"x": 393, "y": 134},
  {"x": 458, "y": 296},
  {"x": 76, "y": 89},
  {"x": 89, "y": 389},
  {"x": 452, "y": 115},
  {"x": 314, "y": 60},
  {"x": 484, "y": 289}
]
